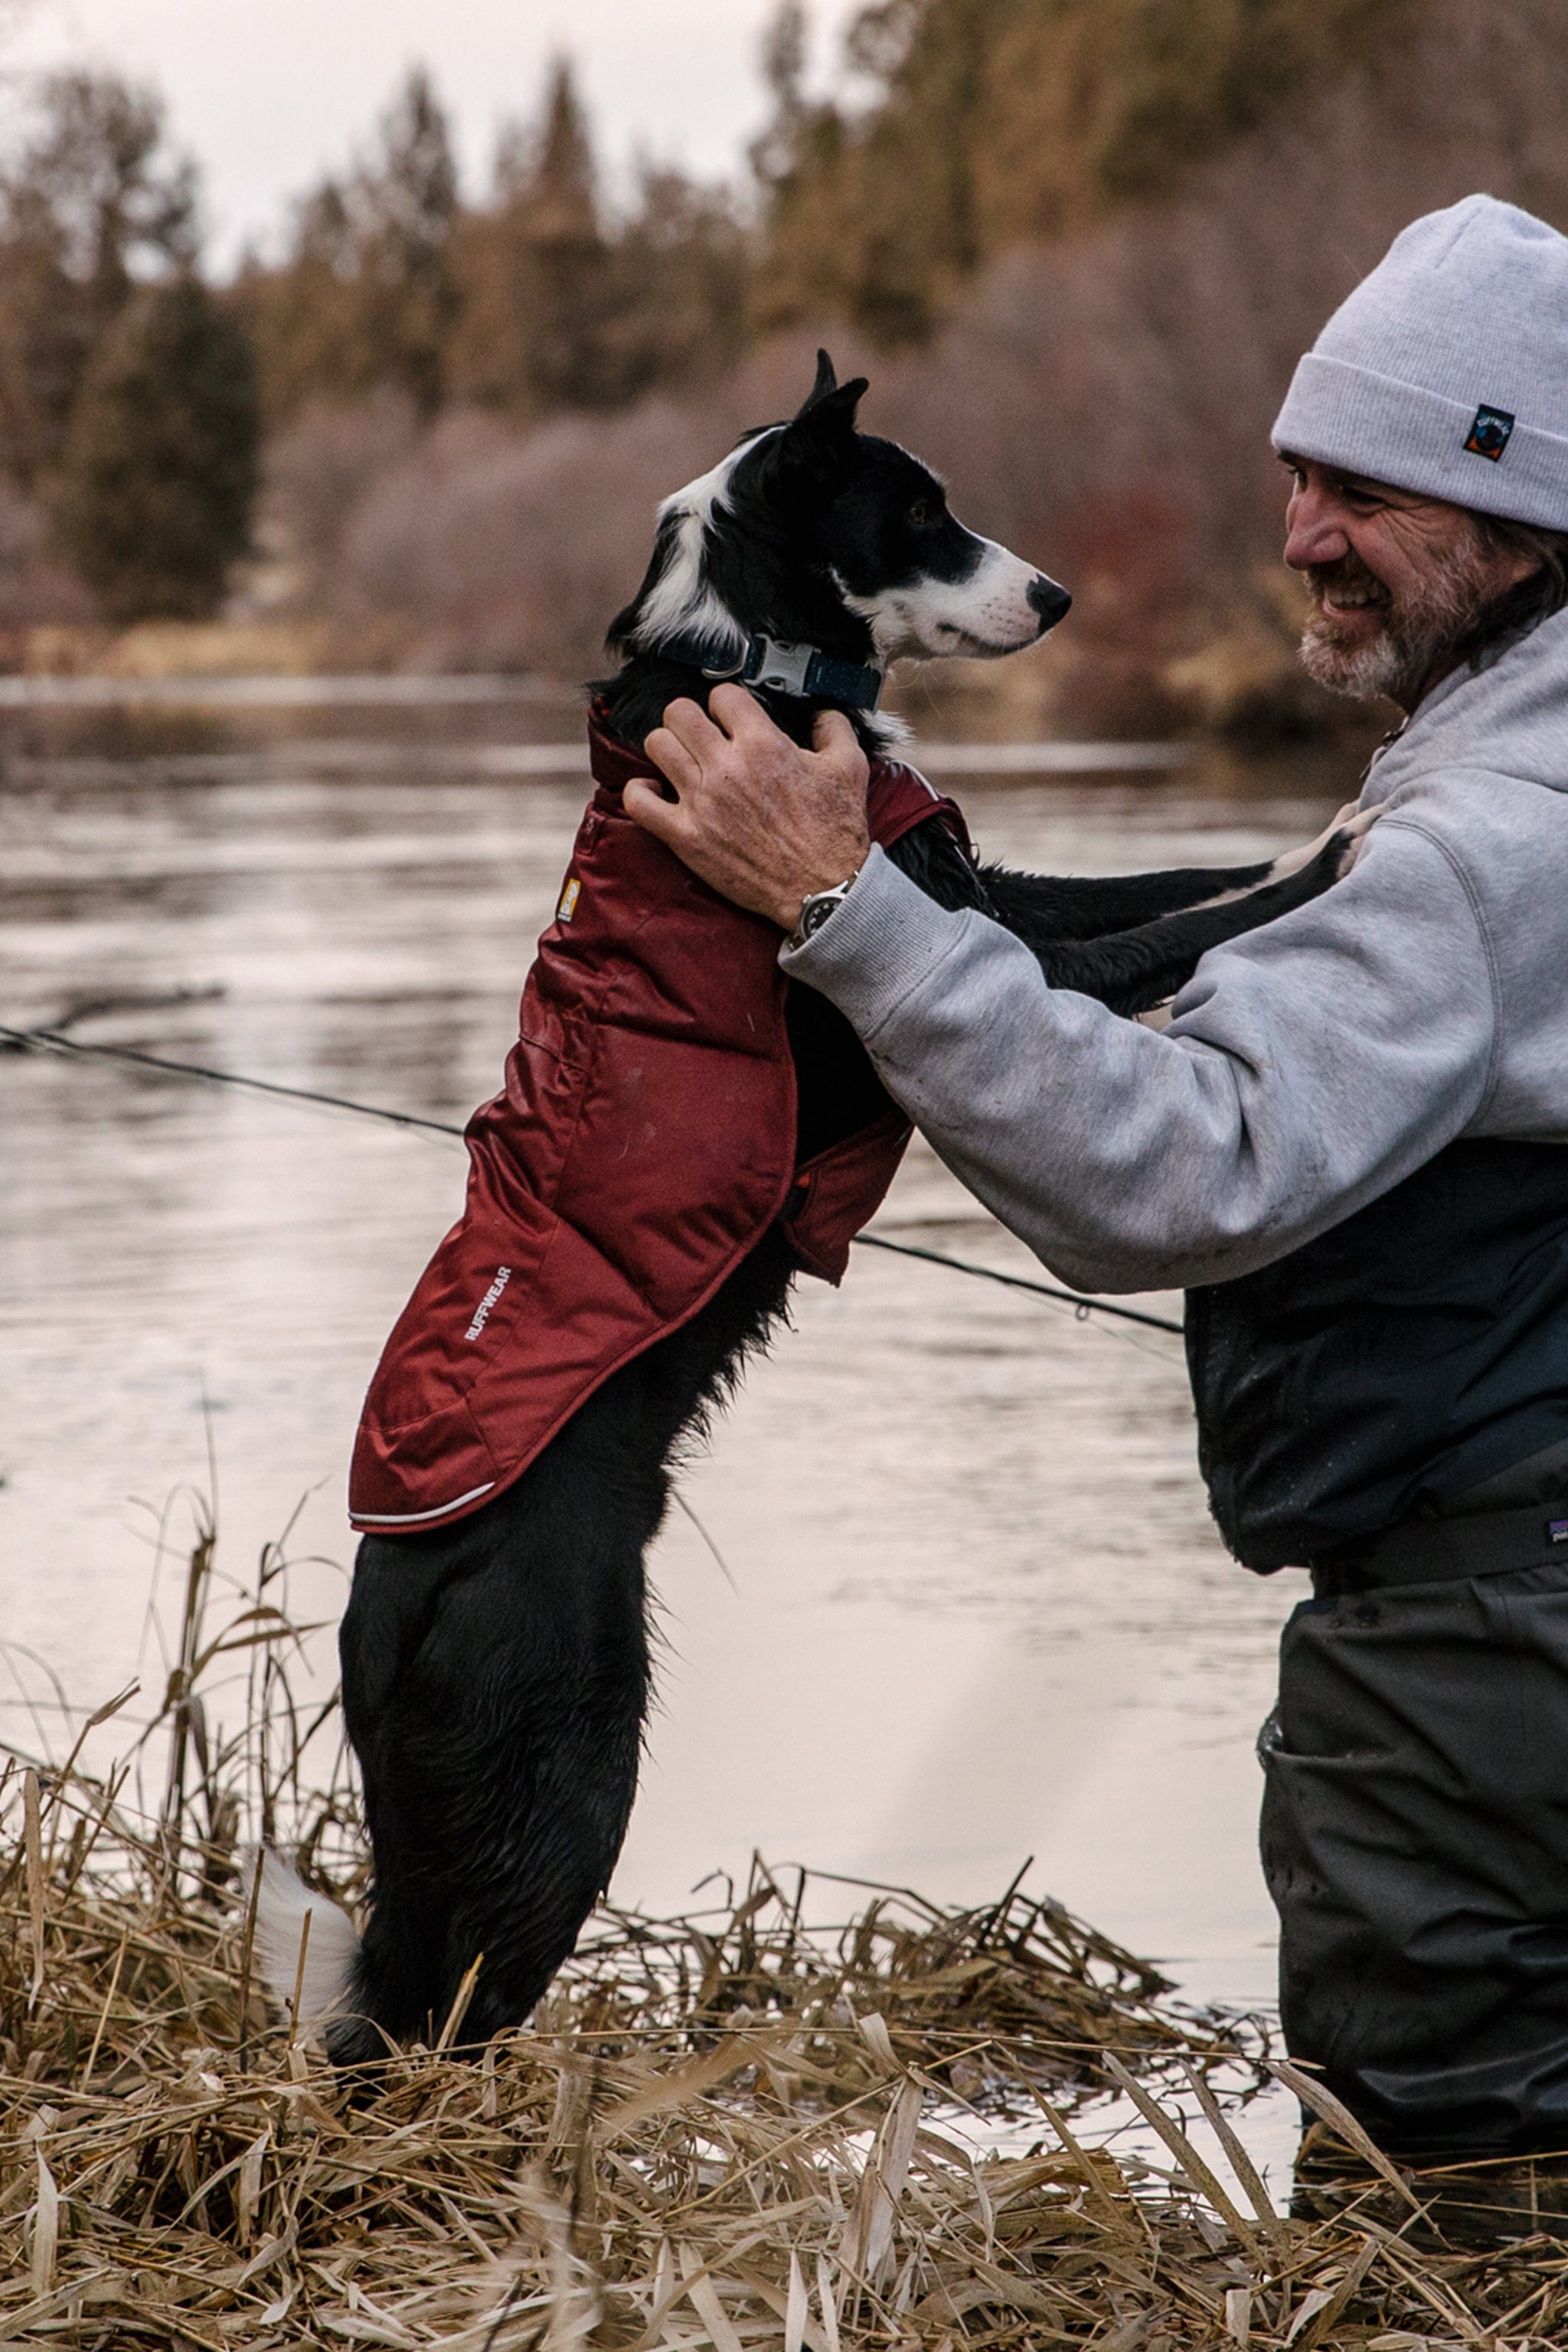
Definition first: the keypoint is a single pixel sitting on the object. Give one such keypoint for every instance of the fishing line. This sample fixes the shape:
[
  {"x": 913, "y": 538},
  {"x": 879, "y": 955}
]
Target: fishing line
[
  {"x": 1075, "y": 1298},
  {"x": 54, "y": 1041}
]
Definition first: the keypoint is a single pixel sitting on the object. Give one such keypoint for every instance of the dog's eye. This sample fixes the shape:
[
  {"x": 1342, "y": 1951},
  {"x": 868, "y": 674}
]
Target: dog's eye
[{"x": 922, "y": 513}]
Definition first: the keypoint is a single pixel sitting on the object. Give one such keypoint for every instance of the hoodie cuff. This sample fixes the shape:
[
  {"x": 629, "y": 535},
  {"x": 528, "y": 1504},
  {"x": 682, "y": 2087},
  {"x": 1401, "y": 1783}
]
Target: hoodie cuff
[{"x": 877, "y": 947}]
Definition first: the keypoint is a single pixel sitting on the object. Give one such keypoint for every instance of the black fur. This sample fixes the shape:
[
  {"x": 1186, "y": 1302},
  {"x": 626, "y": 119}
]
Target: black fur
[
  {"x": 496, "y": 1672},
  {"x": 495, "y": 1683}
]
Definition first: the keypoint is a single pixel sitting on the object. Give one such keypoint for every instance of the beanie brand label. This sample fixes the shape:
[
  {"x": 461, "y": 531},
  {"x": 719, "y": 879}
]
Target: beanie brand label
[{"x": 1489, "y": 434}]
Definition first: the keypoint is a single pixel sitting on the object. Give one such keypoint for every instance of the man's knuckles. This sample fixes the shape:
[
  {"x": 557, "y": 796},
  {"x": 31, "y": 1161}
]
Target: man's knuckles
[{"x": 739, "y": 711}]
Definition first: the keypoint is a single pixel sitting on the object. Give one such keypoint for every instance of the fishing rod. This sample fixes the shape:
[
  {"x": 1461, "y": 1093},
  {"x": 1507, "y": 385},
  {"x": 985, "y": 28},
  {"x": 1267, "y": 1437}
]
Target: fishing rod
[{"x": 55, "y": 1041}]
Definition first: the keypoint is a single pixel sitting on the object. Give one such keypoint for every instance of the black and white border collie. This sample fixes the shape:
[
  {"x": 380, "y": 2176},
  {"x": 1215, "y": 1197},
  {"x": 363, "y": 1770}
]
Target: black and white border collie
[
  {"x": 496, "y": 1672},
  {"x": 814, "y": 535}
]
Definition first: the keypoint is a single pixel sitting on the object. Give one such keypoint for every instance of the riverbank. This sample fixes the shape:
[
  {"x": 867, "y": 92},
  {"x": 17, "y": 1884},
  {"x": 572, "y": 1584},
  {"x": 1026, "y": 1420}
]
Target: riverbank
[
  {"x": 1243, "y": 689},
  {"x": 739, "y": 2126}
]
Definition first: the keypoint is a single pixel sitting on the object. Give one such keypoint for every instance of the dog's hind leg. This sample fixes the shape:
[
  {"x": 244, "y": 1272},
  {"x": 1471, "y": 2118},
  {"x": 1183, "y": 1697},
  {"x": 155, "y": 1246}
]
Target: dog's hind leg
[
  {"x": 497, "y": 1709},
  {"x": 495, "y": 1683}
]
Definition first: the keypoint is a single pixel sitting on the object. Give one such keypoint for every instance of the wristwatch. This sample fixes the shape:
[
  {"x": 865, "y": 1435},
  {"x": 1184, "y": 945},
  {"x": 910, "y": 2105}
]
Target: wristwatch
[{"x": 815, "y": 910}]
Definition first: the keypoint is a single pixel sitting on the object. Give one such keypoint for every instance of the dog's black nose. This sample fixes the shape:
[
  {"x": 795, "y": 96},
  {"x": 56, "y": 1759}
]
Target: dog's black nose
[{"x": 1050, "y": 601}]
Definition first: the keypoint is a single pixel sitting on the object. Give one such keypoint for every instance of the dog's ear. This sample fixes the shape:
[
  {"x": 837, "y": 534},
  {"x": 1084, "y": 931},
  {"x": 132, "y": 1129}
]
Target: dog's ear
[
  {"x": 820, "y": 435},
  {"x": 826, "y": 382}
]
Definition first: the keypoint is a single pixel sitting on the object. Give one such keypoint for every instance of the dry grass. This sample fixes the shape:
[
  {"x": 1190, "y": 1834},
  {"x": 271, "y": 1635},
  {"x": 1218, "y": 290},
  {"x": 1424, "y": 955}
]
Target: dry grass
[{"x": 729, "y": 2129}]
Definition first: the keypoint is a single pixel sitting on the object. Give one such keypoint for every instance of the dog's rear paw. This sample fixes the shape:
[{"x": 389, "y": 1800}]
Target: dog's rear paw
[{"x": 306, "y": 1946}]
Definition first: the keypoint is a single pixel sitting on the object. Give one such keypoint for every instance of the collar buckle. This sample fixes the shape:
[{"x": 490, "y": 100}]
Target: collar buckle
[
  {"x": 799, "y": 669},
  {"x": 770, "y": 662}
]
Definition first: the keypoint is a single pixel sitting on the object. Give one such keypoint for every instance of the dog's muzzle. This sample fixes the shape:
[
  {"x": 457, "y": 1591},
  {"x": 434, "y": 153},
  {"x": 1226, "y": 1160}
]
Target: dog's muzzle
[{"x": 1050, "y": 601}]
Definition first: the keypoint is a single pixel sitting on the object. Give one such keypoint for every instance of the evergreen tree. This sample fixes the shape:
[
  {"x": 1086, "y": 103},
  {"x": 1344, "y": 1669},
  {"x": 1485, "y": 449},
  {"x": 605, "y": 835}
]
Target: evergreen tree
[
  {"x": 405, "y": 206},
  {"x": 154, "y": 497},
  {"x": 366, "y": 298},
  {"x": 536, "y": 269},
  {"x": 304, "y": 318},
  {"x": 990, "y": 121},
  {"x": 91, "y": 199}
]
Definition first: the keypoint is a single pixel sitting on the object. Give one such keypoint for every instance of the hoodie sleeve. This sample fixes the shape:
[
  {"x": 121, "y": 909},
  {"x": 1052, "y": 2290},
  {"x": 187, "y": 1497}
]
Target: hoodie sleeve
[{"x": 1309, "y": 1067}]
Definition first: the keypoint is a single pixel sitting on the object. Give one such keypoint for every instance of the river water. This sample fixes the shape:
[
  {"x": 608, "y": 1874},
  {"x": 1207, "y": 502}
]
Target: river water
[{"x": 948, "y": 1596}]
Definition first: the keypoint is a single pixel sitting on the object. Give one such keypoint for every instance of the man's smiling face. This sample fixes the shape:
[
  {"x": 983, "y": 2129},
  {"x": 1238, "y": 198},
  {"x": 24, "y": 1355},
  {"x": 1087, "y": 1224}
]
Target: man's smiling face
[{"x": 1396, "y": 580}]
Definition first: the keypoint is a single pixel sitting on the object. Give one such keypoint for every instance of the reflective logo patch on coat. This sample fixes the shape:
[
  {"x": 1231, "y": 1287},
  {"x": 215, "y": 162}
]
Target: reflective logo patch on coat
[
  {"x": 482, "y": 1311},
  {"x": 569, "y": 897},
  {"x": 1489, "y": 434}
]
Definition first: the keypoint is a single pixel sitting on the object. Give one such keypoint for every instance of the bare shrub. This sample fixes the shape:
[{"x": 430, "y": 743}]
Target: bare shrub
[
  {"x": 322, "y": 466},
  {"x": 509, "y": 550},
  {"x": 36, "y": 589}
]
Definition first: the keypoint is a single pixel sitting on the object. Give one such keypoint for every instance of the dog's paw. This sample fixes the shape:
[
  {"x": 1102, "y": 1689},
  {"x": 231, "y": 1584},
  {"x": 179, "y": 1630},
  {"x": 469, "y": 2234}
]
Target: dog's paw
[
  {"x": 1351, "y": 827},
  {"x": 1351, "y": 820},
  {"x": 304, "y": 1945}
]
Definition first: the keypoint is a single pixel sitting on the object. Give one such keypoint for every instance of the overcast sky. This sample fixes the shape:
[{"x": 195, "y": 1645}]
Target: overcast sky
[{"x": 270, "y": 92}]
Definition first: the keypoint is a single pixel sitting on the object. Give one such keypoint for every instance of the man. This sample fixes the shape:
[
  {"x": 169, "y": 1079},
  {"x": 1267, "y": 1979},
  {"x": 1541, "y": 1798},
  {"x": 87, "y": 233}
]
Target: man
[{"x": 1348, "y": 1146}]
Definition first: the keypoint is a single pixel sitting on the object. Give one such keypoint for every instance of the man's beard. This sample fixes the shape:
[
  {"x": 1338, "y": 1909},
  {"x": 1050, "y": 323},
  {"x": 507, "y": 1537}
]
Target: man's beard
[{"x": 1419, "y": 635}]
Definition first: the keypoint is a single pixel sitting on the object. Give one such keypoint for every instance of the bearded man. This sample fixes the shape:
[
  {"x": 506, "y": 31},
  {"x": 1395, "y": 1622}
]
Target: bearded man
[{"x": 1348, "y": 1146}]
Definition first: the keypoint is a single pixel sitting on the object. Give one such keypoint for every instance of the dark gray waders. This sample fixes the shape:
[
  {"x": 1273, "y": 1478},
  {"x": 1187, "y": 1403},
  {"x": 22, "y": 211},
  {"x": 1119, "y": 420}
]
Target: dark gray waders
[{"x": 1414, "y": 1835}]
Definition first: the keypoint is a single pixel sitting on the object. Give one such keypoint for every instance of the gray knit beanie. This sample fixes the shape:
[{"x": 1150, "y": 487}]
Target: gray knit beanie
[{"x": 1447, "y": 371}]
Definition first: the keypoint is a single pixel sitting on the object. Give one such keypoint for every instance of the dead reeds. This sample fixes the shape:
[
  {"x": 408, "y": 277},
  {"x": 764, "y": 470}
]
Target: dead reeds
[{"x": 735, "y": 2128}]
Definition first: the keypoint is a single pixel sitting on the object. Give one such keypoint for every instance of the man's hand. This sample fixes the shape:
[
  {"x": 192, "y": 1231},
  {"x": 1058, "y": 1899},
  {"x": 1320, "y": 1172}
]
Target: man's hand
[{"x": 762, "y": 821}]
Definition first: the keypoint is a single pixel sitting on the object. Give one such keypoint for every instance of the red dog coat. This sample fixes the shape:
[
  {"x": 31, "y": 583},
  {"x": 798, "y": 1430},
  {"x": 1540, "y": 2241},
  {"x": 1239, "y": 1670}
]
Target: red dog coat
[{"x": 643, "y": 1142}]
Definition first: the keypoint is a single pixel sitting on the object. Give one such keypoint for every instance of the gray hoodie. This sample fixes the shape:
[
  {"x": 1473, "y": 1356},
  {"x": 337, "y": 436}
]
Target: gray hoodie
[{"x": 1309, "y": 1067}]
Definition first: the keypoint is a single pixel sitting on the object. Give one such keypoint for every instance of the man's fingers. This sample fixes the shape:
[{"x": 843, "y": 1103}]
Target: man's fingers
[
  {"x": 691, "y": 726},
  {"x": 666, "y": 750},
  {"x": 646, "y": 805},
  {"x": 739, "y": 713},
  {"x": 831, "y": 732}
]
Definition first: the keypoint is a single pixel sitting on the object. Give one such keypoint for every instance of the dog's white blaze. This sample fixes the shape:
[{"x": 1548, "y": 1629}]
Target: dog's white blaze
[
  {"x": 987, "y": 615},
  {"x": 682, "y": 603},
  {"x": 282, "y": 1907}
]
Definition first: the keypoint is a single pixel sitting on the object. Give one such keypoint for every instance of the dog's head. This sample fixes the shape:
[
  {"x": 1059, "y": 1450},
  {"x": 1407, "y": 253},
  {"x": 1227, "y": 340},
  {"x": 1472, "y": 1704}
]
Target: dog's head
[{"x": 811, "y": 532}]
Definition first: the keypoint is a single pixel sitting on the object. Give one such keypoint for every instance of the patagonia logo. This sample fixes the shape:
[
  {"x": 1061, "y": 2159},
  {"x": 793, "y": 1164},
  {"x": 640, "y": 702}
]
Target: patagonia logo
[
  {"x": 1557, "y": 1531},
  {"x": 482, "y": 1311},
  {"x": 1489, "y": 434},
  {"x": 570, "y": 896}
]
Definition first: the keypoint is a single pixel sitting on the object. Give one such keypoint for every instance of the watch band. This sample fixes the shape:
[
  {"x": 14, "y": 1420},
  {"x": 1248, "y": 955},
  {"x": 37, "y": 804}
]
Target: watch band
[{"x": 816, "y": 906}]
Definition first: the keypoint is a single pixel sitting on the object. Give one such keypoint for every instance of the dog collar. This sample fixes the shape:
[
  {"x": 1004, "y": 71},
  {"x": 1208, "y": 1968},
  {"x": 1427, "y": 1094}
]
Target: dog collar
[{"x": 787, "y": 669}]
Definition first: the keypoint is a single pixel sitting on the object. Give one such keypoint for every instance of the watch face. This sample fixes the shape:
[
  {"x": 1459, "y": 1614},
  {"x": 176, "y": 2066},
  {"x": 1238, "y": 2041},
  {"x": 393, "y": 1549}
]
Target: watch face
[{"x": 815, "y": 910}]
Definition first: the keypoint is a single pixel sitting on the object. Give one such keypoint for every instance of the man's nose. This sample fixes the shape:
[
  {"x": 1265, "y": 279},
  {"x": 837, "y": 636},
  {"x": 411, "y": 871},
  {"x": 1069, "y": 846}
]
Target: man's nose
[
  {"x": 1314, "y": 532},
  {"x": 1049, "y": 600}
]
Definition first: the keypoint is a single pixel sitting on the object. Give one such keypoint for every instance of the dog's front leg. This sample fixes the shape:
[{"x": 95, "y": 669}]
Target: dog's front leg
[
  {"x": 1134, "y": 970},
  {"x": 1054, "y": 907}
]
